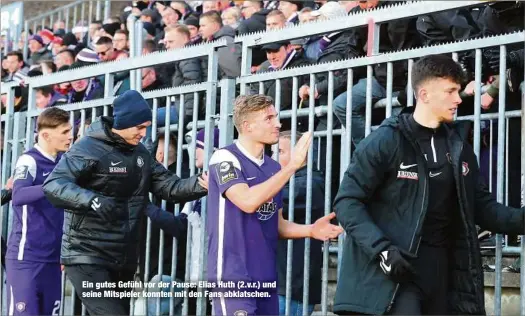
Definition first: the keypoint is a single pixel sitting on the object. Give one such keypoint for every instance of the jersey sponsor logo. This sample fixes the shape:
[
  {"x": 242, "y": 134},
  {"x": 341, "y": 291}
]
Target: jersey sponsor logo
[
  {"x": 21, "y": 173},
  {"x": 240, "y": 313},
  {"x": 404, "y": 167},
  {"x": 226, "y": 172},
  {"x": 464, "y": 168},
  {"x": 140, "y": 161},
  {"x": 20, "y": 306},
  {"x": 407, "y": 175},
  {"x": 266, "y": 211},
  {"x": 119, "y": 169}
]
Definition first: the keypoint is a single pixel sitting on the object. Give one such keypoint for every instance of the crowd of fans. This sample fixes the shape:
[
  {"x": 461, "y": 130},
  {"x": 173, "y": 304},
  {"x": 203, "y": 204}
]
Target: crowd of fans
[{"x": 175, "y": 24}]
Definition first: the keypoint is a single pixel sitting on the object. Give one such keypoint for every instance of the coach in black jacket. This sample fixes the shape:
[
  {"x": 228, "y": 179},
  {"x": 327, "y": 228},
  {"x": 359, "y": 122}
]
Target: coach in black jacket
[
  {"x": 413, "y": 190},
  {"x": 103, "y": 182}
]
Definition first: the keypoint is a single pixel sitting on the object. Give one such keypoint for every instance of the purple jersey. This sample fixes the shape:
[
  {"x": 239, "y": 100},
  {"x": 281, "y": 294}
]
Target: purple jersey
[
  {"x": 36, "y": 232},
  {"x": 242, "y": 246}
]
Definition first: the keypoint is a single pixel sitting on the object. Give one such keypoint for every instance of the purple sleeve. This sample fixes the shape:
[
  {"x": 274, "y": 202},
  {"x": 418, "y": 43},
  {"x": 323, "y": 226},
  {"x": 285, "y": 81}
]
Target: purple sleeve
[
  {"x": 24, "y": 192},
  {"x": 279, "y": 200}
]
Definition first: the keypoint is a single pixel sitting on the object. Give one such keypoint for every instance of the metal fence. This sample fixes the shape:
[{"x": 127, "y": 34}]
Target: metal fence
[{"x": 19, "y": 126}]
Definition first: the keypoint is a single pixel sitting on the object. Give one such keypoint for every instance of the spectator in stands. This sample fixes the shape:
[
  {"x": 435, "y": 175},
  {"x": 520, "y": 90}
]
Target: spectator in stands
[
  {"x": 47, "y": 97},
  {"x": 84, "y": 89},
  {"x": 184, "y": 72},
  {"x": 148, "y": 47},
  {"x": 193, "y": 26},
  {"x": 81, "y": 33},
  {"x": 64, "y": 57},
  {"x": 275, "y": 20},
  {"x": 300, "y": 210},
  {"x": 105, "y": 50},
  {"x": 231, "y": 17},
  {"x": 47, "y": 67},
  {"x": 59, "y": 25},
  {"x": 211, "y": 28},
  {"x": 215, "y": 5},
  {"x": 254, "y": 17},
  {"x": 57, "y": 45},
  {"x": 149, "y": 29},
  {"x": 65, "y": 87},
  {"x": 94, "y": 27},
  {"x": 183, "y": 8},
  {"x": 121, "y": 40},
  {"x": 281, "y": 56},
  {"x": 393, "y": 36},
  {"x": 150, "y": 16},
  {"x": 305, "y": 15},
  {"x": 15, "y": 66},
  {"x": 291, "y": 9},
  {"x": 47, "y": 36},
  {"x": 109, "y": 29},
  {"x": 38, "y": 50},
  {"x": 170, "y": 16}
]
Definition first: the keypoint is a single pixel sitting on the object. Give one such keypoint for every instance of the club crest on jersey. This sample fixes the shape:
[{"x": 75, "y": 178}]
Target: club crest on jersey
[
  {"x": 226, "y": 172},
  {"x": 464, "y": 168},
  {"x": 20, "y": 306},
  {"x": 140, "y": 161},
  {"x": 266, "y": 211}
]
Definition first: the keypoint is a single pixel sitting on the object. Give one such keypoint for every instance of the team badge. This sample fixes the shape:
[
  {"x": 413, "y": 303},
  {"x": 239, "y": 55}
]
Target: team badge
[
  {"x": 21, "y": 173},
  {"x": 266, "y": 211},
  {"x": 464, "y": 168},
  {"x": 20, "y": 306},
  {"x": 140, "y": 161},
  {"x": 240, "y": 313}
]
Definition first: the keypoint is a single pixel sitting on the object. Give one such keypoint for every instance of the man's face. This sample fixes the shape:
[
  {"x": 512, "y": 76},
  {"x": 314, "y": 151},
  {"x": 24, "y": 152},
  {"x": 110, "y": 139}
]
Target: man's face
[
  {"x": 287, "y": 8},
  {"x": 174, "y": 39},
  {"x": 145, "y": 18},
  {"x": 275, "y": 22},
  {"x": 59, "y": 25},
  {"x": 441, "y": 97},
  {"x": 285, "y": 151},
  {"x": 194, "y": 31},
  {"x": 169, "y": 17},
  {"x": 63, "y": 59},
  {"x": 41, "y": 100},
  {"x": 209, "y": 6},
  {"x": 120, "y": 41},
  {"x": 248, "y": 9},
  {"x": 208, "y": 28},
  {"x": 306, "y": 17},
  {"x": 276, "y": 58},
  {"x": 34, "y": 46},
  {"x": 105, "y": 52},
  {"x": 133, "y": 135},
  {"x": 13, "y": 64},
  {"x": 58, "y": 138},
  {"x": 148, "y": 77},
  {"x": 79, "y": 85},
  {"x": 228, "y": 18},
  {"x": 93, "y": 28},
  {"x": 263, "y": 126},
  {"x": 161, "y": 153}
]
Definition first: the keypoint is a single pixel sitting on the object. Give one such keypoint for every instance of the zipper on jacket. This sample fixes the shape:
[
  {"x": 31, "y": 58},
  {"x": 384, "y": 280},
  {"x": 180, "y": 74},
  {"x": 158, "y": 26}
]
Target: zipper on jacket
[{"x": 423, "y": 202}]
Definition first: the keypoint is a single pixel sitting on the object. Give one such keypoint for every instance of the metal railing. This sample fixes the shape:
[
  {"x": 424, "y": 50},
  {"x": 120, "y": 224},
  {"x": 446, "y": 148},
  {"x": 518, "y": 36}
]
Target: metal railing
[{"x": 19, "y": 126}]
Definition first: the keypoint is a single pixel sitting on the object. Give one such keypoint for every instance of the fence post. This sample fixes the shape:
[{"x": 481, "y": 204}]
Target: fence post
[{"x": 226, "y": 114}]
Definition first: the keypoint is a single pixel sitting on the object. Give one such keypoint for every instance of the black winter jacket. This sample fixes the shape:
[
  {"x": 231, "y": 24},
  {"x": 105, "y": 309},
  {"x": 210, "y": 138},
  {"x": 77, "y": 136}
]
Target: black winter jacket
[
  {"x": 378, "y": 206},
  {"x": 187, "y": 72},
  {"x": 229, "y": 56},
  {"x": 5, "y": 196},
  {"x": 88, "y": 170}
]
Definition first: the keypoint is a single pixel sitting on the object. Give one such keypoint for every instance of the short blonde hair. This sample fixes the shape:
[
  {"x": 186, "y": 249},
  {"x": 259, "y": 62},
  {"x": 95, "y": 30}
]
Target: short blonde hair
[{"x": 247, "y": 104}]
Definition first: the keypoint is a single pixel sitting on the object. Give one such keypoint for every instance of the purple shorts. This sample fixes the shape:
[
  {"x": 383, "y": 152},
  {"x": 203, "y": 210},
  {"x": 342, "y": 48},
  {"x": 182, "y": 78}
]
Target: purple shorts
[
  {"x": 246, "y": 306},
  {"x": 33, "y": 288}
]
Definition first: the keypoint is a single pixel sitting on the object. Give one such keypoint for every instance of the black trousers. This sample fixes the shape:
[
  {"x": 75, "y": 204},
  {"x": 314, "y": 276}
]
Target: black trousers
[
  {"x": 427, "y": 295},
  {"x": 99, "y": 274}
]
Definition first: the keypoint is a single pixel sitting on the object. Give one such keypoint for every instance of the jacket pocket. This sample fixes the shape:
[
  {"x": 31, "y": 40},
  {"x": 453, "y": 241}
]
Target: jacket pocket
[{"x": 76, "y": 221}]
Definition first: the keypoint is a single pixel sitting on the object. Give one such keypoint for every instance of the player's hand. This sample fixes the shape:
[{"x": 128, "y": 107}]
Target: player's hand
[
  {"x": 323, "y": 230},
  {"x": 300, "y": 151},
  {"x": 105, "y": 207},
  {"x": 61, "y": 267},
  {"x": 486, "y": 101},
  {"x": 203, "y": 180},
  {"x": 9, "y": 184},
  {"x": 394, "y": 263}
]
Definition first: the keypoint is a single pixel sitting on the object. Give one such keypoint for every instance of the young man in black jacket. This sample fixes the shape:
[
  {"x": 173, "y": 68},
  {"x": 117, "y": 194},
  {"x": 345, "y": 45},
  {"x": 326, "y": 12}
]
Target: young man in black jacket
[
  {"x": 410, "y": 202},
  {"x": 103, "y": 182}
]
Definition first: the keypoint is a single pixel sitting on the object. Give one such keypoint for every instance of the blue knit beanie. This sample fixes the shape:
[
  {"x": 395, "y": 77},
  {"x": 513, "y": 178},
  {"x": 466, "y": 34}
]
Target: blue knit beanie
[{"x": 129, "y": 110}]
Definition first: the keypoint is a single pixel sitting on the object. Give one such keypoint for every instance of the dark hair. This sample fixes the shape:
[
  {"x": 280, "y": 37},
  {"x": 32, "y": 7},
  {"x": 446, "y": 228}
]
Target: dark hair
[
  {"x": 213, "y": 15},
  {"x": 45, "y": 90},
  {"x": 67, "y": 51},
  {"x": 436, "y": 66},
  {"x": 125, "y": 32},
  {"x": 52, "y": 118},
  {"x": 104, "y": 40},
  {"x": 288, "y": 135},
  {"x": 18, "y": 55},
  {"x": 149, "y": 45}
]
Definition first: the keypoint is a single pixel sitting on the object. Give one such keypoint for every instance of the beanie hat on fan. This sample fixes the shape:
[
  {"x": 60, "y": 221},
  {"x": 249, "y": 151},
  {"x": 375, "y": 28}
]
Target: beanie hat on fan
[{"x": 129, "y": 110}]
